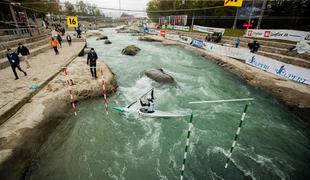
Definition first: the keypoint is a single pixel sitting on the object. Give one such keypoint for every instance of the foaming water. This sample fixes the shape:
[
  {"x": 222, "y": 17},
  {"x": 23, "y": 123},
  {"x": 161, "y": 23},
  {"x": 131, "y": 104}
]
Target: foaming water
[{"x": 273, "y": 143}]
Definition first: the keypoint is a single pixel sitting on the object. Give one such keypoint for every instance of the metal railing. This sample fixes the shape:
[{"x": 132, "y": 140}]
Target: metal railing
[{"x": 8, "y": 34}]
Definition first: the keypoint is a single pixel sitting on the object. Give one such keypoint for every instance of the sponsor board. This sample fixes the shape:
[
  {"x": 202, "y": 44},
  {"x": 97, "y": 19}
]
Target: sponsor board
[
  {"x": 186, "y": 39},
  {"x": 153, "y": 31},
  {"x": 208, "y": 29},
  {"x": 198, "y": 43},
  {"x": 178, "y": 28},
  {"x": 283, "y": 34},
  {"x": 172, "y": 37},
  {"x": 237, "y": 53},
  {"x": 162, "y": 33},
  {"x": 288, "y": 71}
]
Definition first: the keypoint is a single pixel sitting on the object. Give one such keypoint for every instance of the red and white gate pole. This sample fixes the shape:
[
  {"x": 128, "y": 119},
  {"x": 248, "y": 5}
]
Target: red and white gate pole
[
  {"x": 70, "y": 91},
  {"x": 104, "y": 92}
]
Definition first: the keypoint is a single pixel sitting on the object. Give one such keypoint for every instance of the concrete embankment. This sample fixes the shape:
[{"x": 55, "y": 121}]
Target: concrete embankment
[
  {"x": 22, "y": 135},
  {"x": 294, "y": 95}
]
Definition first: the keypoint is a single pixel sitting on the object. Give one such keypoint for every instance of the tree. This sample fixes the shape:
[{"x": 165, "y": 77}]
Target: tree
[
  {"x": 82, "y": 7},
  {"x": 69, "y": 8}
]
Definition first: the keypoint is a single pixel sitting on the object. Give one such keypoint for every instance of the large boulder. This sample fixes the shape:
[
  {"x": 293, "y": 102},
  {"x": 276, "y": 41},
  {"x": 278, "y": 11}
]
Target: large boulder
[
  {"x": 90, "y": 33},
  {"x": 102, "y": 37},
  {"x": 85, "y": 51},
  {"x": 159, "y": 75},
  {"x": 149, "y": 39},
  {"x": 107, "y": 41},
  {"x": 131, "y": 50},
  {"x": 126, "y": 30}
]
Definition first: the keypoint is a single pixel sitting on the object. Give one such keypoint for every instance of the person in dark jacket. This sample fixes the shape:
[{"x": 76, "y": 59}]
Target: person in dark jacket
[
  {"x": 69, "y": 39},
  {"x": 14, "y": 61},
  {"x": 253, "y": 46},
  {"x": 91, "y": 59},
  {"x": 59, "y": 39},
  {"x": 24, "y": 51}
]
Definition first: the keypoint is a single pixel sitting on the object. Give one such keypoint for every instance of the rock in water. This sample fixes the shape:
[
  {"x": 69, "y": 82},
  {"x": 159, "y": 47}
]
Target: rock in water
[
  {"x": 149, "y": 39},
  {"x": 85, "y": 51},
  {"x": 159, "y": 75},
  {"x": 131, "y": 50},
  {"x": 102, "y": 38},
  {"x": 107, "y": 41}
]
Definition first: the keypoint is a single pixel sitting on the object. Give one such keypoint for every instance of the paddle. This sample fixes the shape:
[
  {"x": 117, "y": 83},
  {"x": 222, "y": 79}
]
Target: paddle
[{"x": 139, "y": 98}]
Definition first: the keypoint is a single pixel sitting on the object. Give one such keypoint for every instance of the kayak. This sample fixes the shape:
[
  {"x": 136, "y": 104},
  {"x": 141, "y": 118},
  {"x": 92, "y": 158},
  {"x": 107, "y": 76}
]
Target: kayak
[{"x": 142, "y": 112}]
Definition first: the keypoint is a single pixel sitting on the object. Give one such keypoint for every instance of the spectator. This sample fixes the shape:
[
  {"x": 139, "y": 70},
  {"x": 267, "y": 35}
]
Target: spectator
[
  {"x": 78, "y": 31},
  {"x": 237, "y": 42},
  {"x": 91, "y": 59},
  {"x": 14, "y": 61},
  {"x": 54, "y": 44},
  {"x": 24, "y": 51},
  {"x": 54, "y": 33},
  {"x": 69, "y": 39},
  {"x": 253, "y": 46},
  {"x": 59, "y": 39}
]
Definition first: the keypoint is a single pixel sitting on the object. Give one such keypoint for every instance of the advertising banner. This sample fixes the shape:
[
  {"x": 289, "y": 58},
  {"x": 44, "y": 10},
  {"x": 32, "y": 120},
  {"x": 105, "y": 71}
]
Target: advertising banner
[
  {"x": 162, "y": 33},
  {"x": 288, "y": 71},
  {"x": 179, "y": 28},
  {"x": 186, "y": 39},
  {"x": 208, "y": 29},
  {"x": 180, "y": 20},
  {"x": 172, "y": 37},
  {"x": 237, "y": 53},
  {"x": 283, "y": 34},
  {"x": 198, "y": 43},
  {"x": 153, "y": 31}
]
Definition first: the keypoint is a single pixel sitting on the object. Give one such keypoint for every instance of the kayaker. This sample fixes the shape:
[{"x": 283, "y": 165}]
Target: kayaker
[{"x": 150, "y": 105}]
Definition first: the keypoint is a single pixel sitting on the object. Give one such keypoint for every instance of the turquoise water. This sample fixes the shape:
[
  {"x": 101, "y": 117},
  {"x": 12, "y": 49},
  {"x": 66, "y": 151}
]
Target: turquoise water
[{"x": 273, "y": 144}]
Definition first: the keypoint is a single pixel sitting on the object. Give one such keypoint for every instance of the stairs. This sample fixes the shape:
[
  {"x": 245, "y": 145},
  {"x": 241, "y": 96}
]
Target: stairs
[
  {"x": 276, "y": 50},
  {"x": 36, "y": 45}
]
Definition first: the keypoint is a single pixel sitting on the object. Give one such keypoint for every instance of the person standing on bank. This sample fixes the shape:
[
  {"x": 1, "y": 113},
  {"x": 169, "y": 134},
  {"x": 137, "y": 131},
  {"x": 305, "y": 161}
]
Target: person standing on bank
[
  {"x": 69, "y": 39},
  {"x": 59, "y": 39},
  {"x": 91, "y": 59},
  {"x": 54, "y": 44},
  {"x": 237, "y": 42},
  {"x": 14, "y": 61},
  {"x": 24, "y": 51}
]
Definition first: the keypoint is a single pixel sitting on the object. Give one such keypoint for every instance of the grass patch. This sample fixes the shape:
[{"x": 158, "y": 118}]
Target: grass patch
[{"x": 235, "y": 32}]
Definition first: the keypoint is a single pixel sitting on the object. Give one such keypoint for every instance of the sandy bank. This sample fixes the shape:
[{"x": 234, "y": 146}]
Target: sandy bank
[
  {"x": 294, "y": 95},
  {"x": 23, "y": 134}
]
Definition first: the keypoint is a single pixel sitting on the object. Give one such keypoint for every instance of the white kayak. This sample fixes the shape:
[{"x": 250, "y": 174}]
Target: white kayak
[{"x": 142, "y": 112}]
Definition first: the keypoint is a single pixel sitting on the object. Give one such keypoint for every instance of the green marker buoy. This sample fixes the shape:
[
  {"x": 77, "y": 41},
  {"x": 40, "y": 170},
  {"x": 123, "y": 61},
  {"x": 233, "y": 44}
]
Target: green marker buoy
[
  {"x": 190, "y": 125},
  {"x": 236, "y": 136}
]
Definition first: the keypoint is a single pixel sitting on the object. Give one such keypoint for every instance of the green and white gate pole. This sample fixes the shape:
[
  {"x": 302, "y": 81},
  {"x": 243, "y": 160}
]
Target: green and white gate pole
[
  {"x": 190, "y": 125},
  {"x": 236, "y": 136}
]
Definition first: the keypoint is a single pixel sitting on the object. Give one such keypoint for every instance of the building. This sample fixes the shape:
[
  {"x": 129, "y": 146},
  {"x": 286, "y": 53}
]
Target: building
[{"x": 16, "y": 19}]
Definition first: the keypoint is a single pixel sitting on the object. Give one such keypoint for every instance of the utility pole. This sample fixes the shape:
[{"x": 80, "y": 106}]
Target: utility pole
[
  {"x": 193, "y": 19},
  {"x": 236, "y": 18},
  {"x": 261, "y": 14},
  {"x": 250, "y": 17}
]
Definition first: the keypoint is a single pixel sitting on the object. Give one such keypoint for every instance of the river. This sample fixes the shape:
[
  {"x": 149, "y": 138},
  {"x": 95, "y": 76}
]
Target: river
[{"x": 273, "y": 142}]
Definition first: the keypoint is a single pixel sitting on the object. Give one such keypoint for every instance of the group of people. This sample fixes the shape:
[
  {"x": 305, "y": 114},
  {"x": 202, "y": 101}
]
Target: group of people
[
  {"x": 56, "y": 41},
  {"x": 14, "y": 59},
  {"x": 253, "y": 46},
  {"x": 22, "y": 50}
]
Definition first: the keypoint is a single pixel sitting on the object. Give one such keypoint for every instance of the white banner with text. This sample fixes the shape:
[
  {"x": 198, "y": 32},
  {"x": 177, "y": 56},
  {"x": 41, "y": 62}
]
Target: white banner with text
[{"x": 283, "y": 34}]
